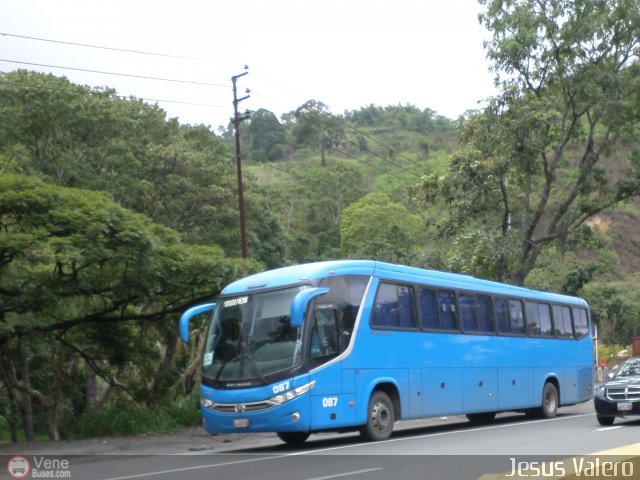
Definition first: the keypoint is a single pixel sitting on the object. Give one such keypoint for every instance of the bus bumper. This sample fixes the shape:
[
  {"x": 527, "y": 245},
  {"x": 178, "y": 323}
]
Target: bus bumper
[{"x": 291, "y": 416}]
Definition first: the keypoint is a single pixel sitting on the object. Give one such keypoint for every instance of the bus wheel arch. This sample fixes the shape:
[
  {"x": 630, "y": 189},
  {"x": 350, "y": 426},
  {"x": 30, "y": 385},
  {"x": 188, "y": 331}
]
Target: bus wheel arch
[{"x": 383, "y": 410}]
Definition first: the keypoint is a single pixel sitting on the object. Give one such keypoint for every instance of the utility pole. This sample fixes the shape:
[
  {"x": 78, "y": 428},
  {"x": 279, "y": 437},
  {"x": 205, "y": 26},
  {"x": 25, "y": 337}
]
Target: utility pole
[{"x": 236, "y": 126}]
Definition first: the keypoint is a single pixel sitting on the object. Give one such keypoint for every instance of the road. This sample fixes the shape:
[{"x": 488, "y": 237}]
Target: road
[{"x": 449, "y": 449}]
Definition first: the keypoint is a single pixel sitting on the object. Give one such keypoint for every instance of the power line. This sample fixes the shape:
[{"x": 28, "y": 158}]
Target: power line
[
  {"x": 101, "y": 72},
  {"x": 103, "y": 93},
  {"x": 141, "y": 52},
  {"x": 115, "y": 49},
  {"x": 182, "y": 57},
  {"x": 384, "y": 159},
  {"x": 381, "y": 144}
]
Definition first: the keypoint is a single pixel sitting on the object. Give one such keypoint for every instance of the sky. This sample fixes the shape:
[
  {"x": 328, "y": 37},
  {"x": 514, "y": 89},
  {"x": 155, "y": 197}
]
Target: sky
[{"x": 345, "y": 53}]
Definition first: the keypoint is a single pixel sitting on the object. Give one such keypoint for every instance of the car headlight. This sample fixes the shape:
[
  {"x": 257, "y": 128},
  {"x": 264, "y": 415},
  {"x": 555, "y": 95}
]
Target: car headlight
[
  {"x": 600, "y": 391},
  {"x": 293, "y": 393}
]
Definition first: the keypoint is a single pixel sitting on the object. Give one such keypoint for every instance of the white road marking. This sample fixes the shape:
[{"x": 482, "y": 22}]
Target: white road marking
[
  {"x": 346, "y": 474},
  {"x": 606, "y": 429}
]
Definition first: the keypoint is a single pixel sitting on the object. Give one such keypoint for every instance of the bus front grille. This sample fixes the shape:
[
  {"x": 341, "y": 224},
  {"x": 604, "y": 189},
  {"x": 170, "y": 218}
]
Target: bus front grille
[
  {"x": 624, "y": 393},
  {"x": 241, "y": 407}
]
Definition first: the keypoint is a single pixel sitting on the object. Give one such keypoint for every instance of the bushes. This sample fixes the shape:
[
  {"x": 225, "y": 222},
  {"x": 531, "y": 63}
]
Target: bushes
[{"x": 122, "y": 418}]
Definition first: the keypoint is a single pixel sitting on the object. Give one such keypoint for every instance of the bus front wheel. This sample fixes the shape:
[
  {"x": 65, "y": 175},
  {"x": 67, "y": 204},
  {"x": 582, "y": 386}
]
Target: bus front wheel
[
  {"x": 293, "y": 438},
  {"x": 381, "y": 416}
]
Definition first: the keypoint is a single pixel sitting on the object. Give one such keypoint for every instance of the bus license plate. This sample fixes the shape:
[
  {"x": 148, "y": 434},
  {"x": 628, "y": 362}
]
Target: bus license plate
[
  {"x": 625, "y": 406},
  {"x": 240, "y": 423}
]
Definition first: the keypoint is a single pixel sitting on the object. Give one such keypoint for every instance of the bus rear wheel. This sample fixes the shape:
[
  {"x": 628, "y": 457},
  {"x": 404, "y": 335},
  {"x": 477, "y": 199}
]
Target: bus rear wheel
[
  {"x": 381, "y": 416},
  {"x": 293, "y": 438},
  {"x": 550, "y": 400}
]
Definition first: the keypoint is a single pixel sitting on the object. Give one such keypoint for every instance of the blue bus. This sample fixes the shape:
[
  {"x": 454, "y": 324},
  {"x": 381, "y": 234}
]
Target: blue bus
[{"x": 357, "y": 345}]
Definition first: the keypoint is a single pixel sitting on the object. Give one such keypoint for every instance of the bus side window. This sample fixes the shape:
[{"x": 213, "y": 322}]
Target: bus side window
[
  {"x": 566, "y": 320},
  {"x": 562, "y": 321},
  {"x": 475, "y": 313},
  {"x": 544, "y": 314},
  {"x": 483, "y": 314},
  {"x": 447, "y": 309},
  {"x": 538, "y": 319},
  {"x": 533, "y": 323},
  {"x": 468, "y": 312},
  {"x": 580, "y": 322},
  {"x": 503, "y": 322},
  {"x": 428, "y": 309},
  {"x": 516, "y": 319},
  {"x": 394, "y": 307}
]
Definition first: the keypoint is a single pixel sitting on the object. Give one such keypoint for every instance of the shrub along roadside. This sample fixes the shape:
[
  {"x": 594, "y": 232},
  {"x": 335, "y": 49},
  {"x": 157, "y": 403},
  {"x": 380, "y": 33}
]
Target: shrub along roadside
[{"x": 121, "y": 418}]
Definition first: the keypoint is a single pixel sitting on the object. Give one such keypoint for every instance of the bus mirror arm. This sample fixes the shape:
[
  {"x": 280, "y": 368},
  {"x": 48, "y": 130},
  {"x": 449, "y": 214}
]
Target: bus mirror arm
[
  {"x": 300, "y": 302},
  {"x": 186, "y": 317}
]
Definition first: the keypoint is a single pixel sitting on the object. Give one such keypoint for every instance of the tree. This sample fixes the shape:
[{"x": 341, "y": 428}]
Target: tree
[
  {"x": 183, "y": 177},
  {"x": 377, "y": 227},
  {"x": 559, "y": 144},
  {"x": 267, "y": 138},
  {"x": 83, "y": 280},
  {"x": 615, "y": 308},
  {"x": 312, "y": 205},
  {"x": 315, "y": 126}
]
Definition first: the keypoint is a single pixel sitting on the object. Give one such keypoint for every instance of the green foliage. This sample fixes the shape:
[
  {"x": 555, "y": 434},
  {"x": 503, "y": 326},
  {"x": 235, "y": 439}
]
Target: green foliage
[
  {"x": 562, "y": 273},
  {"x": 377, "y": 227},
  {"x": 267, "y": 139},
  {"x": 479, "y": 253},
  {"x": 85, "y": 280},
  {"x": 61, "y": 245},
  {"x": 608, "y": 354},
  {"x": 314, "y": 126},
  {"x": 532, "y": 162},
  {"x": 182, "y": 177},
  {"x": 126, "y": 418},
  {"x": 615, "y": 308}
]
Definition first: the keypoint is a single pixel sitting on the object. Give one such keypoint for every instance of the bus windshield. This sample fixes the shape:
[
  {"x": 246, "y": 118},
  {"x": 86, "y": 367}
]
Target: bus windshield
[{"x": 251, "y": 337}]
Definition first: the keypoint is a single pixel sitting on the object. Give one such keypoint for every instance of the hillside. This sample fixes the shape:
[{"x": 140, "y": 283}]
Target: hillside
[{"x": 415, "y": 153}]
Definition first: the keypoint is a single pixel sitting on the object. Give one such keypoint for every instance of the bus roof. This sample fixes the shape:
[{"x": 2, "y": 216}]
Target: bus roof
[{"x": 304, "y": 273}]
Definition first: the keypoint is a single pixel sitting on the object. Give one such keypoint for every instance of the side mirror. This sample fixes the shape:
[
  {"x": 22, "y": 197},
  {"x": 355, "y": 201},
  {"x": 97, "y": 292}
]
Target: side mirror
[
  {"x": 610, "y": 375},
  {"x": 185, "y": 318},
  {"x": 300, "y": 302}
]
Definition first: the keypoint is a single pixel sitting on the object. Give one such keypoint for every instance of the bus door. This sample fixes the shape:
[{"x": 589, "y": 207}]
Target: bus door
[{"x": 332, "y": 397}]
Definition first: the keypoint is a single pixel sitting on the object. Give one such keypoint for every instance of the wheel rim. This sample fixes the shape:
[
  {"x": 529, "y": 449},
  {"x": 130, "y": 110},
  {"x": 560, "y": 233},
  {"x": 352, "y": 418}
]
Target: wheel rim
[
  {"x": 550, "y": 401},
  {"x": 380, "y": 416}
]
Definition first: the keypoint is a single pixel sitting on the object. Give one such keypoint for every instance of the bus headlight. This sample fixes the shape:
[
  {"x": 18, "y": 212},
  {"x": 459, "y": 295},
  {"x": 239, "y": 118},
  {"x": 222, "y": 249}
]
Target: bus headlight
[{"x": 291, "y": 394}]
